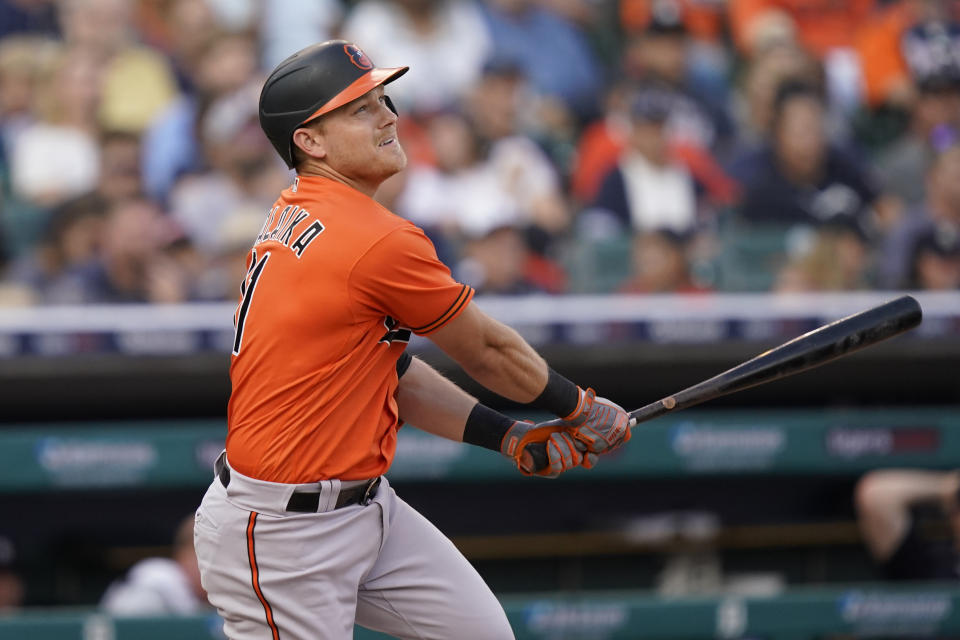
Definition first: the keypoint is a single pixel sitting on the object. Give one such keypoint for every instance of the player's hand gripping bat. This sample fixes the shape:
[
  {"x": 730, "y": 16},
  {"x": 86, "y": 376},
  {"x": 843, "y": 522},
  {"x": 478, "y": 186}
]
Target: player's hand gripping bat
[{"x": 810, "y": 350}]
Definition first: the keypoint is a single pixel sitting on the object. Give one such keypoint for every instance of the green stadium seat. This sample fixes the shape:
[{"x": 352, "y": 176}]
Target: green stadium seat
[
  {"x": 750, "y": 255},
  {"x": 598, "y": 266}
]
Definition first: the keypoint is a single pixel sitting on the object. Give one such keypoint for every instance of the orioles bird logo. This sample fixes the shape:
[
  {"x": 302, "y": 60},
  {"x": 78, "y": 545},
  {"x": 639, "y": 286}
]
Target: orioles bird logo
[{"x": 357, "y": 57}]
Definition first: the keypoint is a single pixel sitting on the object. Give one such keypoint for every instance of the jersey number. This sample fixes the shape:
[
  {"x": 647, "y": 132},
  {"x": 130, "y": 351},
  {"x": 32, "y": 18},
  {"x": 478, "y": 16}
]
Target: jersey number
[{"x": 247, "y": 288}]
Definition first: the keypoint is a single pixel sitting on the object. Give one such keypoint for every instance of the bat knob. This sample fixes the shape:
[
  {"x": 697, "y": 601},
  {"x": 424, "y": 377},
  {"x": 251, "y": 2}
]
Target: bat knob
[
  {"x": 669, "y": 402},
  {"x": 538, "y": 452}
]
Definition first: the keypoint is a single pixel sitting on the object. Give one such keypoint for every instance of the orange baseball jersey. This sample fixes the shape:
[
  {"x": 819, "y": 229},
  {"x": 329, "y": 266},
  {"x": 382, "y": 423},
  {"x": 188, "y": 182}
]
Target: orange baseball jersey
[{"x": 335, "y": 284}]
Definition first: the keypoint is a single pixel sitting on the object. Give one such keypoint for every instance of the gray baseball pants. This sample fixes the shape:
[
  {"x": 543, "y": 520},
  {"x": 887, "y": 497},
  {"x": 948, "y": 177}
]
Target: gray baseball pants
[{"x": 280, "y": 575}]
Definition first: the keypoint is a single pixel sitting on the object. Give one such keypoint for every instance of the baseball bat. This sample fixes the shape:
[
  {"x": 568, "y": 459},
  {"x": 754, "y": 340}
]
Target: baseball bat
[{"x": 812, "y": 349}]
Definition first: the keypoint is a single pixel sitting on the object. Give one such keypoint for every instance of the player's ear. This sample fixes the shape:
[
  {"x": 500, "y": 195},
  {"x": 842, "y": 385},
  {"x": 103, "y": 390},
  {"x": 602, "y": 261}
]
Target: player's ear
[{"x": 310, "y": 142}]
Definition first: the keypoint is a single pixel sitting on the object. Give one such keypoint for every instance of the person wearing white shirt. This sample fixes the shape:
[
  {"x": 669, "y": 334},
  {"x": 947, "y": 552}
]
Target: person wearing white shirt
[{"x": 160, "y": 586}]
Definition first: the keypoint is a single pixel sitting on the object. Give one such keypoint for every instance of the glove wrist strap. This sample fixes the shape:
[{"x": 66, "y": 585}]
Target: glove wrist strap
[
  {"x": 486, "y": 427},
  {"x": 560, "y": 396}
]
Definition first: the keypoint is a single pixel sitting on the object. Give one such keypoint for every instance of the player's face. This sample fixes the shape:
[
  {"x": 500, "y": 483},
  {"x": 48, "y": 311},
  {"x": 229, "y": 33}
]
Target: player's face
[{"x": 360, "y": 140}]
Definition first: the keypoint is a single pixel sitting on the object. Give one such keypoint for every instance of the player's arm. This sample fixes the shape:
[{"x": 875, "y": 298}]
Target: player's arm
[
  {"x": 401, "y": 275},
  {"x": 497, "y": 357},
  {"x": 434, "y": 404},
  {"x": 884, "y": 499}
]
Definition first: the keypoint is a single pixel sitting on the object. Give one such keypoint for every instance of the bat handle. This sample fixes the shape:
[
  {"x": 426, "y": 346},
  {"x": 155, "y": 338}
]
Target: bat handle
[
  {"x": 538, "y": 451},
  {"x": 654, "y": 409}
]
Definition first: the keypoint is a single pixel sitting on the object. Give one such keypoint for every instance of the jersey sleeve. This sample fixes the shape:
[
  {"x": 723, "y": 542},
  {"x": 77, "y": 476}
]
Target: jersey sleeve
[{"x": 402, "y": 277}]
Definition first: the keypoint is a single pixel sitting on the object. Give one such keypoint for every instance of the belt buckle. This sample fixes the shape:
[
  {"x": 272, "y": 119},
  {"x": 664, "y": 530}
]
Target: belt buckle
[{"x": 370, "y": 492}]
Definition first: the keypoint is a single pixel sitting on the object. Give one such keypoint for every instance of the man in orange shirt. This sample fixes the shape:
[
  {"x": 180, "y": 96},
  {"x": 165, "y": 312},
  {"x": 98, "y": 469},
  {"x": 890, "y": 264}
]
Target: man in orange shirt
[
  {"x": 821, "y": 25},
  {"x": 289, "y": 542}
]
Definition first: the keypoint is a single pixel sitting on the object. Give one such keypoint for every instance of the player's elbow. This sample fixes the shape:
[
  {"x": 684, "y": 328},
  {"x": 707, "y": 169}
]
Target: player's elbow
[
  {"x": 475, "y": 341},
  {"x": 876, "y": 492}
]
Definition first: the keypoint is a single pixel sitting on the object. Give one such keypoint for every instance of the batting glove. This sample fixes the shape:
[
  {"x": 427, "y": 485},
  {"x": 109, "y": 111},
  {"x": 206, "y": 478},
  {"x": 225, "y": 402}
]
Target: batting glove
[
  {"x": 599, "y": 424},
  {"x": 544, "y": 449}
]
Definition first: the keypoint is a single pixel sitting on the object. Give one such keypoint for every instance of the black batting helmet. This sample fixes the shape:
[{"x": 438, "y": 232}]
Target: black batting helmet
[{"x": 312, "y": 82}]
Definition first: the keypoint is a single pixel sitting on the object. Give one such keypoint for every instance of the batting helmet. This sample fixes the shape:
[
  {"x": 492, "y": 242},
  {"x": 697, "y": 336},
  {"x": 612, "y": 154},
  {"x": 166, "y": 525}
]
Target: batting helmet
[{"x": 312, "y": 82}]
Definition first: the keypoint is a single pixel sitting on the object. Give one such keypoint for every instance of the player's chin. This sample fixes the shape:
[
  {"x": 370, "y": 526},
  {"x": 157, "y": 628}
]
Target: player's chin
[
  {"x": 384, "y": 170},
  {"x": 395, "y": 157}
]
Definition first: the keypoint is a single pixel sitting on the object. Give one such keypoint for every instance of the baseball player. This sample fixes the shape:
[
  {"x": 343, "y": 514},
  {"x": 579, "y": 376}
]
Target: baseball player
[{"x": 300, "y": 536}]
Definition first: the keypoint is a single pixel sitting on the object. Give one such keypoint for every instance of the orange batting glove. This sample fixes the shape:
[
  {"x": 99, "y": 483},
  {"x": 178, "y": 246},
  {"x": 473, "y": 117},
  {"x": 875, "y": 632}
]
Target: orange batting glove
[
  {"x": 599, "y": 424},
  {"x": 544, "y": 449}
]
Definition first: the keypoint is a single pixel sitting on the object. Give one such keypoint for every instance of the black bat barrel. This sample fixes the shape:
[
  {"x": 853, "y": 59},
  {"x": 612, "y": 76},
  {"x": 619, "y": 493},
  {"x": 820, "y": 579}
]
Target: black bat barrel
[{"x": 810, "y": 350}]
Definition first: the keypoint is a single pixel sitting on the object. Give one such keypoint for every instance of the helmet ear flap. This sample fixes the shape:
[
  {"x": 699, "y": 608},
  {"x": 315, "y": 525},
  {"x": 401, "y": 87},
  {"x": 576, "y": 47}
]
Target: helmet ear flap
[{"x": 390, "y": 106}]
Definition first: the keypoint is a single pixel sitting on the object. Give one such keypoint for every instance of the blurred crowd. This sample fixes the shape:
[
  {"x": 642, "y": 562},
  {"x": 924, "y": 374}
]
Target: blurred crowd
[{"x": 555, "y": 146}]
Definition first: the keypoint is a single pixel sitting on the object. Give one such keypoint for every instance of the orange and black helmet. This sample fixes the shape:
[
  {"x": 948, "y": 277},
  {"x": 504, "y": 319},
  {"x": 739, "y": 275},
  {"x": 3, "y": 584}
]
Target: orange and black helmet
[{"x": 312, "y": 82}]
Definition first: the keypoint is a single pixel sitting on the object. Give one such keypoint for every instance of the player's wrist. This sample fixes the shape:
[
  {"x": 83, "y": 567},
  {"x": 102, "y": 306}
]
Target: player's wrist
[
  {"x": 486, "y": 427},
  {"x": 560, "y": 396}
]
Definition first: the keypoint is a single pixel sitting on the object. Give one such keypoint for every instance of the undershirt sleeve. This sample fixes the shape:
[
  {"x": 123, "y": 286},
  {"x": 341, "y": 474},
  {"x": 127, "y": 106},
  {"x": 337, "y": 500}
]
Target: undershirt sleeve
[{"x": 403, "y": 363}]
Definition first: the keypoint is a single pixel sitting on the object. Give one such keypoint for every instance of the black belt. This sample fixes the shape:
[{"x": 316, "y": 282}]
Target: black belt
[{"x": 309, "y": 501}]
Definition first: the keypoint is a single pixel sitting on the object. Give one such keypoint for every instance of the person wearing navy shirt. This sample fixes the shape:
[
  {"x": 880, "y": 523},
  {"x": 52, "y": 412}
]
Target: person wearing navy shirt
[{"x": 799, "y": 177}]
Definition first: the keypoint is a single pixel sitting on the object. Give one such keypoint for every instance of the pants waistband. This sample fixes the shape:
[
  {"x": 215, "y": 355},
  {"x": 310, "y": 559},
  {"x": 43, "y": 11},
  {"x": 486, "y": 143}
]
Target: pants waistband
[{"x": 278, "y": 497}]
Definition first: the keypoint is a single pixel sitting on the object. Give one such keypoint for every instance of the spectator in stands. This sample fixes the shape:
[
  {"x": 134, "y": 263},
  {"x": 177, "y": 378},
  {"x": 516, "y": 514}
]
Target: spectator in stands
[
  {"x": 834, "y": 257},
  {"x": 499, "y": 262},
  {"x": 886, "y": 501},
  {"x": 70, "y": 231},
  {"x": 708, "y": 59},
  {"x": 659, "y": 55},
  {"x": 696, "y": 125},
  {"x": 239, "y": 170},
  {"x": 941, "y": 210},
  {"x": 799, "y": 177},
  {"x": 764, "y": 74},
  {"x": 120, "y": 175},
  {"x": 601, "y": 143},
  {"x": 136, "y": 82},
  {"x": 906, "y": 44},
  {"x": 435, "y": 192},
  {"x": 647, "y": 190},
  {"x": 934, "y": 123},
  {"x": 821, "y": 25},
  {"x": 476, "y": 186},
  {"x": 660, "y": 265},
  {"x": 824, "y": 27},
  {"x": 522, "y": 170},
  {"x": 133, "y": 263},
  {"x": 160, "y": 586},
  {"x": 11, "y": 584},
  {"x": 23, "y": 61},
  {"x": 182, "y": 30},
  {"x": 554, "y": 54},
  {"x": 47, "y": 273},
  {"x": 28, "y": 16},
  {"x": 287, "y": 27},
  {"x": 224, "y": 64},
  {"x": 218, "y": 272},
  {"x": 57, "y": 156},
  {"x": 935, "y": 261},
  {"x": 444, "y": 42}
]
